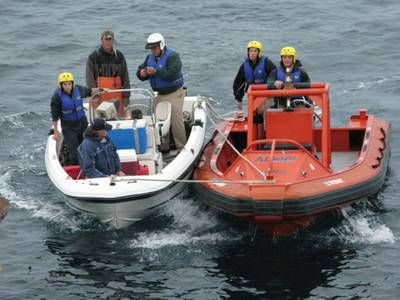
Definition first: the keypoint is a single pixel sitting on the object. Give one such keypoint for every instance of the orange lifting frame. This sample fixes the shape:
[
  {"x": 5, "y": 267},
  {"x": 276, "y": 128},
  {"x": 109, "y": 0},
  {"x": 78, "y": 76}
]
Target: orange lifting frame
[{"x": 257, "y": 94}]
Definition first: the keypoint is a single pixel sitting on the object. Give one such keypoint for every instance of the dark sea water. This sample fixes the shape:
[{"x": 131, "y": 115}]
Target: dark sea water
[{"x": 185, "y": 250}]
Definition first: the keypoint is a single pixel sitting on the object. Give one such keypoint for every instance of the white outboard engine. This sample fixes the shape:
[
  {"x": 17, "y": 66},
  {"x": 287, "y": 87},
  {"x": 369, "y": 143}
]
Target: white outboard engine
[{"x": 163, "y": 124}]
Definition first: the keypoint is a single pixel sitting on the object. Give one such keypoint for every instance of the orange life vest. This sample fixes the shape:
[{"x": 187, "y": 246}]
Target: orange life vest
[{"x": 113, "y": 83}]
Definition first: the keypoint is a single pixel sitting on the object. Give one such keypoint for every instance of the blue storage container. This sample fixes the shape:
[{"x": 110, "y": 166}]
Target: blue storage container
[{"x": 134, "y": 137}]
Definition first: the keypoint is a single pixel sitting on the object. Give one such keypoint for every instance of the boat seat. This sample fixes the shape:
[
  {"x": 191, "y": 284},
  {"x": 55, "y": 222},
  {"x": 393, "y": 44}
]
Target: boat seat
[
  {"x": 163, "y": 116},
  {"x": 74, "y": 172}
]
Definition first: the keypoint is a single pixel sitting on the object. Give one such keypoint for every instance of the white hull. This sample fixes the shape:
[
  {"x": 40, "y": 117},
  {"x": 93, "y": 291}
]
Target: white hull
[
  {"x": 123, "y": 213},
  {"x": 128, "y": 199}
]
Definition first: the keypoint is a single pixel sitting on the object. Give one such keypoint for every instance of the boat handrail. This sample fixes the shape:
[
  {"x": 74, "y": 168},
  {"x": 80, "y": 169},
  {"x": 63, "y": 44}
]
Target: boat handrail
[
  {"x": 274, "y": 142},
  {"x": 139, "y": 91},
  {"x": 279, "y": 141},
  {"x": 258, "y": 94},
  {"x": 236, "y": 150}
]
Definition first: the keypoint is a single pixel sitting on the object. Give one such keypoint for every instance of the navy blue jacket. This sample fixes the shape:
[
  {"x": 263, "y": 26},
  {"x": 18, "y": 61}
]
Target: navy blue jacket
[
  {"x": 56, "y": 102},
  {"x": 97, "y": 157},
  {"x": 273, "y": 76}
]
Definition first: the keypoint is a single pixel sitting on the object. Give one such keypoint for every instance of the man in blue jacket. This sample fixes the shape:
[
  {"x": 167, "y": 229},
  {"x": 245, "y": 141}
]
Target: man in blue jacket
[
  {"x": 163, "y": 68},
  {"x": 97, "y": 154}
]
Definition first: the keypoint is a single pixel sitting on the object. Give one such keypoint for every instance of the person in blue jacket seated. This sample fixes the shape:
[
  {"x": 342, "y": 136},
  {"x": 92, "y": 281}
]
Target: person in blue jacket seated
[
  {"x": 97, "y": 154},
  {"x": 288, "y": 71}
]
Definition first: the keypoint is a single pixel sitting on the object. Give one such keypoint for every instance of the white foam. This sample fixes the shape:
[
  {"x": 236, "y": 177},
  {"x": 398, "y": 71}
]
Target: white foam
[
  {"x": 365, "y": 230},
  {"x": 16, "y": 120},
  {"x": 369, "y": 84},
  {"x": 186, "y": 214},
  {"x": 363, "y": 85},
  {"x": 163, "y": 239},
  {"x": 50, "y": 212},
  {"x": 369, "y": 232}
]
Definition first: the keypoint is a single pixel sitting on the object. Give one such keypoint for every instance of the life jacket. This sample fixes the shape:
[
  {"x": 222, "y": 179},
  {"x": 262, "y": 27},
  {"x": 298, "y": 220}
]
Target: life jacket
[
  {"x": 256, "y": 75},
  {"x": 155, "y": 81},
  {"x": 112, "y": 83},
  {"x": 295, "y": 75},
  {"x": 71, "y": 106}
]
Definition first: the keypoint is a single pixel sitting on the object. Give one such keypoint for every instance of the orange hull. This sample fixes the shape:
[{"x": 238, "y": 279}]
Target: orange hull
[
  {"x": 3, "y": 207},
  {"x": 304, "y": 172}
]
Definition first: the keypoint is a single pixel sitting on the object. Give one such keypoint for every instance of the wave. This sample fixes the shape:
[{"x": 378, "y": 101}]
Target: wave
[
  {"x": 373, "y": 84},
  {"x": 157, "y": 240},
  {"x": 19, "y": 120},
  {"x": 190, "y": 225},
  {"x": 363, "y": 228},
  {"x": 52, "y": 210}
]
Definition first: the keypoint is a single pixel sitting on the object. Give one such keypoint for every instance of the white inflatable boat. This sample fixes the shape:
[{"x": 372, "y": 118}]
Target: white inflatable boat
[{"x": 152, "y": 177}]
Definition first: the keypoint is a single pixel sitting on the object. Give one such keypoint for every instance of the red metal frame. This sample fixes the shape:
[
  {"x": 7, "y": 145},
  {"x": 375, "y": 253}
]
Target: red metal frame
[{"x": 258, "y": 94}]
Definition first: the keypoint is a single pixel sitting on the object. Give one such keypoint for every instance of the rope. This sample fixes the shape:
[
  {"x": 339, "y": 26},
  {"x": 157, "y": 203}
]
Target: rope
[{"x": 133, "y": 180}]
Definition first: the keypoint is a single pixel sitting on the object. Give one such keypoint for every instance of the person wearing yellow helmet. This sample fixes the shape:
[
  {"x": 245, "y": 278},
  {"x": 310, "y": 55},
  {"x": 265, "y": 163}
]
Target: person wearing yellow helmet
[
  {"x": 67, "y": 105},
  {"x": 254, "y": 70},
  {"x": 289, "y": 70}
]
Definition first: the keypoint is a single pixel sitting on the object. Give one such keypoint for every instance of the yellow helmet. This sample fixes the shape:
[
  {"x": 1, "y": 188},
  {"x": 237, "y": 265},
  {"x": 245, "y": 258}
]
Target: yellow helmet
[
  {"x": 289, "y": 51},
  {"x": 257, "y": 45},
  {"x": 66, "y": 76}
]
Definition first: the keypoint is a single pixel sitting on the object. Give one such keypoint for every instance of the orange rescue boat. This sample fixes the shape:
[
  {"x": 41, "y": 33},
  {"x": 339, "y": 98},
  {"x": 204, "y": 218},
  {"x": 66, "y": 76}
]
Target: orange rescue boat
[
  {"x": 284, "y": 173},
  {"x": 3, "y": 207}
]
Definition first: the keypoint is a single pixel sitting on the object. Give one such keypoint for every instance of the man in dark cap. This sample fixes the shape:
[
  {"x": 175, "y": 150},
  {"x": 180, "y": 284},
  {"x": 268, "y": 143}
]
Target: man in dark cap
[
  {"x": 106, "y": 67},
  {"x": 97, "y": 154}
]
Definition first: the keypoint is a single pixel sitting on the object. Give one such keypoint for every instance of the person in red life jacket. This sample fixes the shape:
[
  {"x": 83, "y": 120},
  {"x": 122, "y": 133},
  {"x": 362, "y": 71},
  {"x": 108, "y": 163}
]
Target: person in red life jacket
[
  {"x": 254, "y": 70},
  {"x": 289, "y": 70},
  {"x": 163, "y": 67},
  {"x": 97, "y": 154},
  {"x": 67, "y": 105},
  {"x": 106, "y": 67}
]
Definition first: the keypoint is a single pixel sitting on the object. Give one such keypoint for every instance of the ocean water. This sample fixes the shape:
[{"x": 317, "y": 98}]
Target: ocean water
[{"x": 186, "y": 250}]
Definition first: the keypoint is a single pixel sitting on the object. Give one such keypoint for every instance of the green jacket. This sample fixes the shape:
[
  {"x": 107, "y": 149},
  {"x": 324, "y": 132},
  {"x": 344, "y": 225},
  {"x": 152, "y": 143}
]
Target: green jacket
[{"x": 170, "y": 73}]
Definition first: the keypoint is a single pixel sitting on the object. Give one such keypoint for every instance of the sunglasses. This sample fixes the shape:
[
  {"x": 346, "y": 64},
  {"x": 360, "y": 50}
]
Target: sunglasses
[{"x": 108, "y": 39}]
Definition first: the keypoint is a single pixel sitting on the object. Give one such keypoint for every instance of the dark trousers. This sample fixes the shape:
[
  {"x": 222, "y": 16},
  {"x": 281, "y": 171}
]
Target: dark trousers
[{"x": 73, "y": 137}]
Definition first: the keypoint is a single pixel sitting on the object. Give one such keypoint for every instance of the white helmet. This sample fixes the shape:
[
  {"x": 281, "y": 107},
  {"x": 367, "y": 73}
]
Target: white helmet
[{"x": 154, "y": 40}]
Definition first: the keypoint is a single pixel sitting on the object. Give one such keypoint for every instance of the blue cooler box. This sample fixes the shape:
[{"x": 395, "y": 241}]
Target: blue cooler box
[{"x": 130, "y": 136}]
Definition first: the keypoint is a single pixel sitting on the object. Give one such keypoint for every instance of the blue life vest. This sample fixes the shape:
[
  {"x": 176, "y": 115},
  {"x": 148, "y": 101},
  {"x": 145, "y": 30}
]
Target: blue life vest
[
  {"x": 256, "y": 75},
  {"x": 281, "y": 75},
  {"x": 71, "y": 107},
  {"x": 158, "y": 83}
]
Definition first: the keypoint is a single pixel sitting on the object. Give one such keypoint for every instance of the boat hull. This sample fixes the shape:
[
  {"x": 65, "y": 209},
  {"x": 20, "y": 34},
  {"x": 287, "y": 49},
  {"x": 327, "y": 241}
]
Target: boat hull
[
  {"x": 121, "y": 201},
  {"x": 3, "y": 207},
  {"x": 281, "y": 208},
  {"x": 123, "y": 212}
]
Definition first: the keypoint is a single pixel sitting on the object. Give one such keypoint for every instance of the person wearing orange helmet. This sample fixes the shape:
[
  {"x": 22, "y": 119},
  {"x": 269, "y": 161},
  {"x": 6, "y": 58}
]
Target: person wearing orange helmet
[
  {"x": 254, "y": 70},
  {"x": 67, "y": 105}
]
